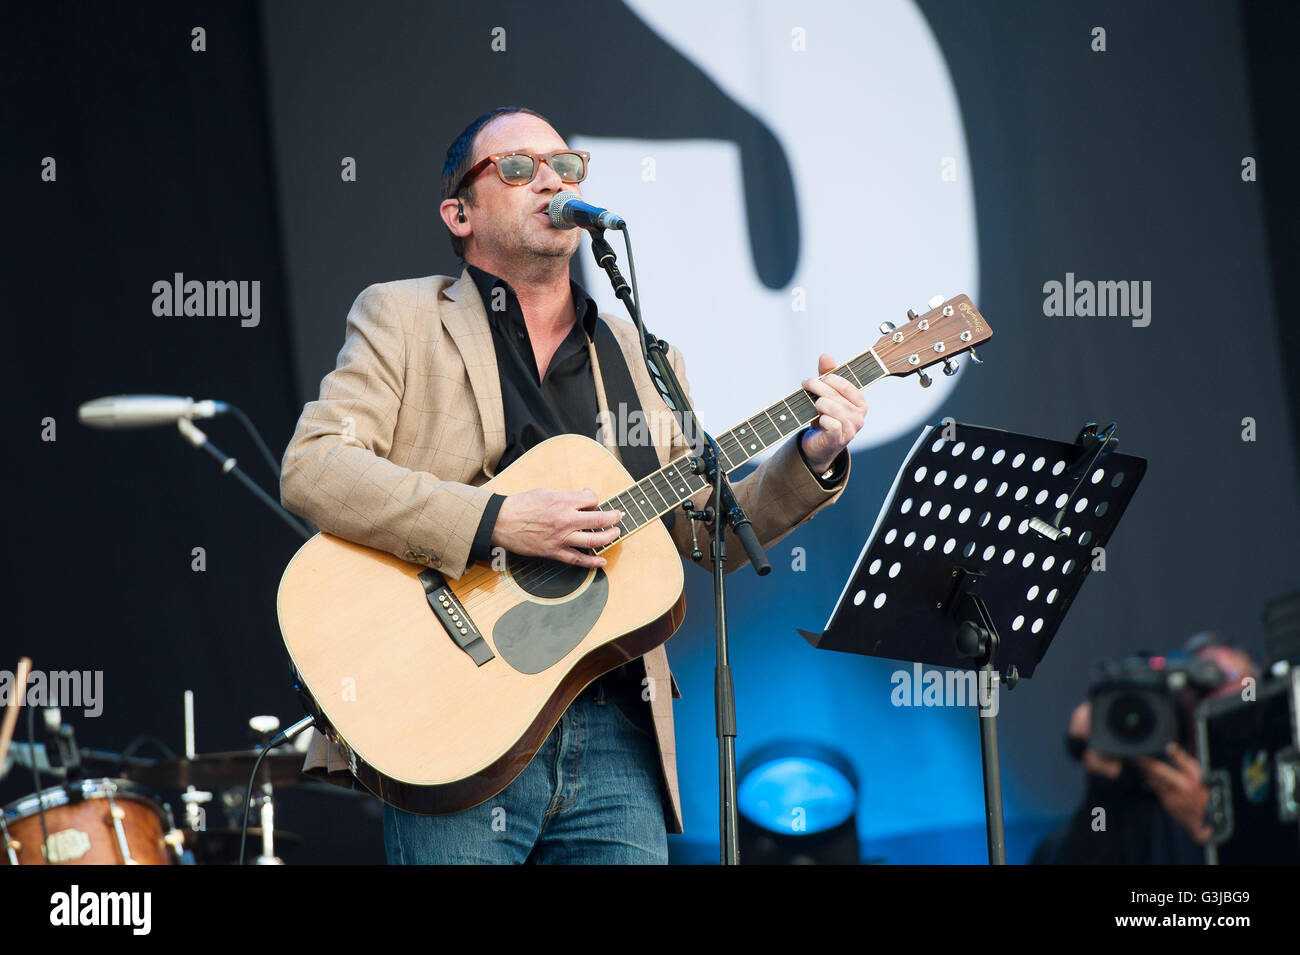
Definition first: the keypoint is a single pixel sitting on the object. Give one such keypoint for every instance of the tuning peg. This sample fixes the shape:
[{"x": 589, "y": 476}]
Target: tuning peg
[
  {"x": 949, "y": 366},
  {"x": 976, "y": 358},
  {"x": 887, "y": 327},
  {"x": 936, "y": 301},
  {"x": 911, "y": 315},
  {"x": 923, "y": 378}
]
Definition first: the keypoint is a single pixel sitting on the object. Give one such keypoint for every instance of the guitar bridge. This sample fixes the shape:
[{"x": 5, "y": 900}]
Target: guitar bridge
[{"x": 451, "y": 614}]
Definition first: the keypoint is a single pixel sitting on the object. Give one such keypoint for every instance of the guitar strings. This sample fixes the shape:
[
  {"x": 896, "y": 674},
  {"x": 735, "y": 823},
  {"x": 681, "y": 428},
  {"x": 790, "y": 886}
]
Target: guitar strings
[{"x": 536, "y": 571}]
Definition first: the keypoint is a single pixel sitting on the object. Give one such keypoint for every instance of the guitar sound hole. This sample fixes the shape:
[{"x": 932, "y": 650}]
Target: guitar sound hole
[{"x": 544, "y": 578}]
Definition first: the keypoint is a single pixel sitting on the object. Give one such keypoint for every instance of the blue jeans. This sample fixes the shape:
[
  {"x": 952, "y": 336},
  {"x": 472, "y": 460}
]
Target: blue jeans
[{"x": 591, "y": 795}]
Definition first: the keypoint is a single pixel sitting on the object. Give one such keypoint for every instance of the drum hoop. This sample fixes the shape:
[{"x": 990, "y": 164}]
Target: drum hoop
[{"x": 56, "y": 797}]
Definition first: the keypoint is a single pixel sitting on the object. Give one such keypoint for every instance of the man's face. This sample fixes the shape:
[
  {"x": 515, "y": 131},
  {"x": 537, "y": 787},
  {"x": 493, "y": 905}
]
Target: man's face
[{"x": 511, "y": 222}]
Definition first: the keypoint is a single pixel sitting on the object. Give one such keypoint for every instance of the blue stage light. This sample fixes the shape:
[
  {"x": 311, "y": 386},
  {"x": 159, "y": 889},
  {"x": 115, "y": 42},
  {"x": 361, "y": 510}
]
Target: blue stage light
[{"x": 797, "y": 789}]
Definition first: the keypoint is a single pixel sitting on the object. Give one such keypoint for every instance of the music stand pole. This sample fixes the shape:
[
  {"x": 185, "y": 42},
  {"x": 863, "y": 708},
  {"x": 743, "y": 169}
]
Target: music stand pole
[{"x": 977, "y": 639}]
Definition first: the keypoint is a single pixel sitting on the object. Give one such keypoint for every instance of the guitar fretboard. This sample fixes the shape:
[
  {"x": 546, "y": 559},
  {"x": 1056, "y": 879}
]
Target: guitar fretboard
[{"x": 660, "y": 492}]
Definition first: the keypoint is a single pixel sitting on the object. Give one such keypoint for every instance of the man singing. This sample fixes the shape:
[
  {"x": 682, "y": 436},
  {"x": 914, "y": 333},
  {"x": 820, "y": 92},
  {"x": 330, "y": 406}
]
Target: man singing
[{"x": 443, "y": 382}]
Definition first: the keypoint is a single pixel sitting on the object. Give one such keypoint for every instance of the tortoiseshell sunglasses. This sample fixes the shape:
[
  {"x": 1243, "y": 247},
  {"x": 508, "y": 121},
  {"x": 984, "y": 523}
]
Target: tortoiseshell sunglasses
[{"x": 519, "y": 168}]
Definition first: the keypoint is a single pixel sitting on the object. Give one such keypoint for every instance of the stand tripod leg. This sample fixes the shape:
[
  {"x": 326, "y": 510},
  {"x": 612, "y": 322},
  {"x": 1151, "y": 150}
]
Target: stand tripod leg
[{"x": 992, "y": 770}]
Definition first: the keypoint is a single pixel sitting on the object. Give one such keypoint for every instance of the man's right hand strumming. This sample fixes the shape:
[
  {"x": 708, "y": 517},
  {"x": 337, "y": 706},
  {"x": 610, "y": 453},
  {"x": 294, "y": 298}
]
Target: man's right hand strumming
[{"x": 555, "y": 524}]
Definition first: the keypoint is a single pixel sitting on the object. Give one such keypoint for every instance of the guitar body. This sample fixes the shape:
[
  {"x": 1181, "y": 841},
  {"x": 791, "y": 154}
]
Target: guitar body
[{"x": 429, "y": 728}]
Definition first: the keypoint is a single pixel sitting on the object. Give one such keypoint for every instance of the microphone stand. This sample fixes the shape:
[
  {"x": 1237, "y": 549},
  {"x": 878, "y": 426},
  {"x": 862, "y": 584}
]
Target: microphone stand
[
  {"x": 196, "y": 437},
  {"x": 706, "y": 462}
]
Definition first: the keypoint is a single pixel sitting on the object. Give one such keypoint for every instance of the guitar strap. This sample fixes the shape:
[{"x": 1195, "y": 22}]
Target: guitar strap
[{"x": 639, "y": 459}]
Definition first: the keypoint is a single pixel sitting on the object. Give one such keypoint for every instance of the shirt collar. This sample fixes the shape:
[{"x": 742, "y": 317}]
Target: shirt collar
[{"x": 485, "y": 282}]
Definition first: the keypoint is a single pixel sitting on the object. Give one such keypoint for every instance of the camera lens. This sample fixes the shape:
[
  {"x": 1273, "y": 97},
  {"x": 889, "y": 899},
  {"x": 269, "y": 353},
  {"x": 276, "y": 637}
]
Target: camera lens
[{"x": 1130, "y": 717}]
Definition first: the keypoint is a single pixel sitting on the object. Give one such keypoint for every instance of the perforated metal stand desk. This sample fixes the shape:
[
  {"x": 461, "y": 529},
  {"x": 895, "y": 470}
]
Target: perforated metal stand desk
[{"x": 955, "y": 574}]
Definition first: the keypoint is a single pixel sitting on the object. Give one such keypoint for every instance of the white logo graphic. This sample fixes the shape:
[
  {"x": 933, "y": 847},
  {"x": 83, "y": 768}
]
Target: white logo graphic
[
  {"x": 870, "y": 123},
  {"x": 103, "y": 908}
]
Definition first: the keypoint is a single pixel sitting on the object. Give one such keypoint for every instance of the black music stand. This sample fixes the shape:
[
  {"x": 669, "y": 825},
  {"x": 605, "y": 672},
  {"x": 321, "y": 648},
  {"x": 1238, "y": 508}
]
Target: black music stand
[{"x": 954, "y": 575}]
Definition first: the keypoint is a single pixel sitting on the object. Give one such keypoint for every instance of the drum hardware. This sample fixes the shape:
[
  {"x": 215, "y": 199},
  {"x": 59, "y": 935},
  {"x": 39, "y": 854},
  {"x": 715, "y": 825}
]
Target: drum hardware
[
  {"x": 134, "y": 827},
  {"x": 265, "y": 806},
  {"x": 117, "y": 815},
  {"x": 195, "y": 816},
  {"x": 264, "y": 728},
  {"x": 200, "y": 777},
  {"x": 11, "y": 845},
  {"x": 221, "y": 846},
  {"x": 279, "y": 739},
  {"x": 175, "y": 840},
  {"x": 206, "y": 773},
  {"x": 90, "y": 822}
]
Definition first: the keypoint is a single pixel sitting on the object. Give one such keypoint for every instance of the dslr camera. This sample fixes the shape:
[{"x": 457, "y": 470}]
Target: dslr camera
[{"x": 1141, "y": 704}]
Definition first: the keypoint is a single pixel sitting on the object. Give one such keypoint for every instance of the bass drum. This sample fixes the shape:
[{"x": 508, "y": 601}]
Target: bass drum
[{"x": 93, "y": 822}]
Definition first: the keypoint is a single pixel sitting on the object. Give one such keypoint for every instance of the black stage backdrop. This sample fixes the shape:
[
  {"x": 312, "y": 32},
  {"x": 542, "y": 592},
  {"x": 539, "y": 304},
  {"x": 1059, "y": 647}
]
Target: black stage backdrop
[
  {"x": 173, "y": 162},
  {"x": 163, "y": 166}
]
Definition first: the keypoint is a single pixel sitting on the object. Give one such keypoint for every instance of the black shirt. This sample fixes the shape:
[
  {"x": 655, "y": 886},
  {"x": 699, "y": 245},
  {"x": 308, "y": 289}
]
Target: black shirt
[
  {"x": 1139, "y": 831},
  {"x": 564, "y": 402}
]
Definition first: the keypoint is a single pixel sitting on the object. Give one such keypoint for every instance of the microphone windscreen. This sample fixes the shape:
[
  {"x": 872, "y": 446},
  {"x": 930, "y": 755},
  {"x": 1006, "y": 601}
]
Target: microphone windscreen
[{"x": 556, "y": 209}]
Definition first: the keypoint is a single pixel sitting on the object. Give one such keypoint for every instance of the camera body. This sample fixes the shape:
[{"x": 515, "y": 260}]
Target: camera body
[{"x": 1141, "y": 704}]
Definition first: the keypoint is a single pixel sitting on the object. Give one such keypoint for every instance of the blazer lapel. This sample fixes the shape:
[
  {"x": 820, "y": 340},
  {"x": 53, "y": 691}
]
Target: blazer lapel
[{"x": 466, "y": 321}]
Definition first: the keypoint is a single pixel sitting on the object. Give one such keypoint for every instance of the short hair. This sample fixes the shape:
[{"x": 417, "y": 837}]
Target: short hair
[
  {"x": 460, "y": 156},
  {"x": 1208, "y": 639}
]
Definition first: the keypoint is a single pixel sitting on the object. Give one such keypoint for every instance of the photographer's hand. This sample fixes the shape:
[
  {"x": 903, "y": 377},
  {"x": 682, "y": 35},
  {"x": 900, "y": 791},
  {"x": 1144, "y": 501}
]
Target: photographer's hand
[
  {"x": 1179, "y": 789},
  {"x": 1094, "y": 762}
]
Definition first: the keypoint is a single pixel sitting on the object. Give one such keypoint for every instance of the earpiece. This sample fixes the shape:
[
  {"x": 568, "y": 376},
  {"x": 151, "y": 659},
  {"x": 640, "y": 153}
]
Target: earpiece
[{"x": 460, "y": 211}]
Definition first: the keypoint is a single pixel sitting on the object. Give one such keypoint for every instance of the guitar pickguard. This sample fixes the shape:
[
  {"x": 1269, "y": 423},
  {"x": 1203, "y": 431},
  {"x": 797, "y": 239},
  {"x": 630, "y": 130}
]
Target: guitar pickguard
[{"x": 533, "y": 637}]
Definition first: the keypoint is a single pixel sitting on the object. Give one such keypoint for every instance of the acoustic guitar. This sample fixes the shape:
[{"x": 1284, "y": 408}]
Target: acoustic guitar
[{"x": 441, "y": 690}]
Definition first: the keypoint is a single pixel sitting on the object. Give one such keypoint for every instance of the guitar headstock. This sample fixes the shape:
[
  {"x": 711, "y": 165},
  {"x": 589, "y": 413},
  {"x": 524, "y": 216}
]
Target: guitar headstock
[{"x": 949, "y": 328}]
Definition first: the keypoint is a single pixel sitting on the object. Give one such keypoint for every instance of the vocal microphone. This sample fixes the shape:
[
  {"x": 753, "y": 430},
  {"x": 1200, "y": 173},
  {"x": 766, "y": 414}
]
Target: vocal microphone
[
  {"x": 145, "y": 411},
  {"x": 568, "y": 210}
]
